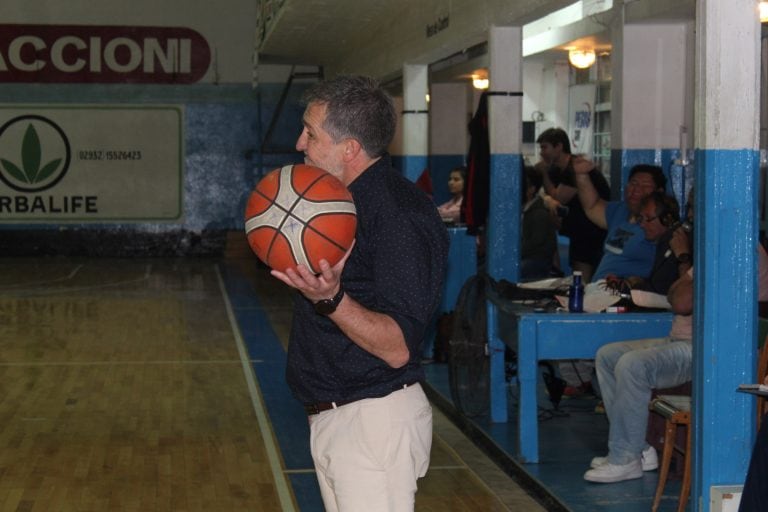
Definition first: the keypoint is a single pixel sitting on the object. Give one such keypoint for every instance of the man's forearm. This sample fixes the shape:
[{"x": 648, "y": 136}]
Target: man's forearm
[
  {"x": 680, "y": 295},
  {"x": 376, "y": 333},
  {"x": 549, "y": 187},
  {"x": 591, "y": 202}
]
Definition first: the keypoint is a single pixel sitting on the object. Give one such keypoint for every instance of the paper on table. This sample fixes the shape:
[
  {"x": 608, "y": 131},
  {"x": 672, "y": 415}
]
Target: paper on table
[
  {"x": 551, "y": 283},
  {"x": 646, "y": 299},
  {"x": 597, "y": 297},
  {"x": 593, "y": 303}
]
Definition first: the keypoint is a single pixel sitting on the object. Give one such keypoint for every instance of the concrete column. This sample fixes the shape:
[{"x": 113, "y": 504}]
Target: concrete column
[
  {"x": 652, "y": 91},
  {"x": 726, "y": 172},
  {"x": 415, "y": 119},
  {"x": 503, "y": 225},
  {"x": 505, "y": 132}
]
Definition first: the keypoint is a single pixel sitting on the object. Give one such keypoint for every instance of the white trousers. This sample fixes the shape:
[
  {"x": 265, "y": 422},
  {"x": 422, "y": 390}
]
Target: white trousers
[{"x": 369, "y": 454}]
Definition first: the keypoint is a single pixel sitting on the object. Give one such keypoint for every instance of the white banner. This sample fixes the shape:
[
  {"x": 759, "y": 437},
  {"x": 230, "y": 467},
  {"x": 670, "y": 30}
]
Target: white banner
[
  {"x": 581, "y": 109},
  {"x": 90, "y": 163}
]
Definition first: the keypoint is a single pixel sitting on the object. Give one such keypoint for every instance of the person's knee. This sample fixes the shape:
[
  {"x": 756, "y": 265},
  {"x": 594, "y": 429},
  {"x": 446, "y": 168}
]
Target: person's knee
[
  {"x": 633, "y": 366},
  {"x": 607, "y": 356}
]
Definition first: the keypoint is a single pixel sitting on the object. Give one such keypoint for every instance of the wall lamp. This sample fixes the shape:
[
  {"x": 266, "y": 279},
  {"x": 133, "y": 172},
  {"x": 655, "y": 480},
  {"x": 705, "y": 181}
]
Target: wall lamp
[
  {"x": 581, "y": 59},
  {"x": 479, "y": 82},
  {"x": 763, "y": 6}
]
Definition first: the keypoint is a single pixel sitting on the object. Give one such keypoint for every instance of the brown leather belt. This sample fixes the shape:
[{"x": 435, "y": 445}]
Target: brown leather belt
[{"x": 317, "y": 408}]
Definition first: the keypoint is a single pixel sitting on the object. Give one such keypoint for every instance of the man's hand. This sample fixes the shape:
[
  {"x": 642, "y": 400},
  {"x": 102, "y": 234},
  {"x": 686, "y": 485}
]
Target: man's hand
[
  {"x": 315, "y": 287},
  {"x": 680, "y": 243},
  {"x": 551, "y": 203},
  {"x": 622, "y": 285}
]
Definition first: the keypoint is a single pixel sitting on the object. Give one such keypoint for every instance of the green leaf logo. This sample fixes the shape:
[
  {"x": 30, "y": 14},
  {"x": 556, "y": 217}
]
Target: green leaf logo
[
  {"x": 34, "y": 153},
  {"x": 31, "y": 152}
]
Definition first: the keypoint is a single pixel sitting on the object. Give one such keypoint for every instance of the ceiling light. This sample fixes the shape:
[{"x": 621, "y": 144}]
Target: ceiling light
[
  {"x": 581, "y": 59},
  {"x": 479, "y": 83},
  {"x": 763, "y": 6}
]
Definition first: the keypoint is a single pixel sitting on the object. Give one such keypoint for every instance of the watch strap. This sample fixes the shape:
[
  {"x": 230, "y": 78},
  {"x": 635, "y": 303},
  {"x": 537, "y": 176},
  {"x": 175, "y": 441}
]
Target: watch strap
[{"x": 328, "y": 306}]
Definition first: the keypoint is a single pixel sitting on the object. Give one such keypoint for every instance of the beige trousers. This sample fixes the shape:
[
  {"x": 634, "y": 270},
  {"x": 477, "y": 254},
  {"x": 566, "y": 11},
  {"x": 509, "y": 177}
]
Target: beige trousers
[{"x": 369, "y": 454}]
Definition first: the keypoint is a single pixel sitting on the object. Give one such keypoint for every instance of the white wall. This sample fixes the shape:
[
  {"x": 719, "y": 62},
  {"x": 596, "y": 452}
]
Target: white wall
[
  {"x": 450, "y": 112},
  {"x": 657, "y": 85},
  {"x": 545, "y": 90}
]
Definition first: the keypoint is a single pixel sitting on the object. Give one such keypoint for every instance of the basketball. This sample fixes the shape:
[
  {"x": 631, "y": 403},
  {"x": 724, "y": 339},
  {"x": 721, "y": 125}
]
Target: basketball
[{"x": 300, "y": 214}]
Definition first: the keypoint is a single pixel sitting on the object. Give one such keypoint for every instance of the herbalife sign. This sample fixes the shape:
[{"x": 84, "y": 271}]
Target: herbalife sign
[{"x": 90, "y": 164}]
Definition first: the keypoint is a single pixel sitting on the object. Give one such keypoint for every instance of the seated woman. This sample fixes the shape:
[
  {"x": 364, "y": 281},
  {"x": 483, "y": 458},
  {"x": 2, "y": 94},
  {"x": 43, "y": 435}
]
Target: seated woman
[
  {"x": 450, "y": 211},
  {"x": 539, "y": 238}
]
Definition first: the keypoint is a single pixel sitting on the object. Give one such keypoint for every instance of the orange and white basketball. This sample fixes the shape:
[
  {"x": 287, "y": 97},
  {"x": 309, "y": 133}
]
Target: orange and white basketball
[{"x": 300, "y": 214}]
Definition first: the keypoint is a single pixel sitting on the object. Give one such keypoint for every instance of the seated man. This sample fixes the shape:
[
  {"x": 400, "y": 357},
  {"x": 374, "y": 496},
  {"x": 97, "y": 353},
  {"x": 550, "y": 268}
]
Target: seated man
[
  {"x": 627, "y": 372},
  {"x": 626, "y": 250},
  {"x": 660, "y": 221}
]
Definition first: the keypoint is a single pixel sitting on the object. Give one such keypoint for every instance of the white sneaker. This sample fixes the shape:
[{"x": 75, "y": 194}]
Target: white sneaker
[
  {"x": 649, "y": 460},
  {"x": 609, "y": 473}
]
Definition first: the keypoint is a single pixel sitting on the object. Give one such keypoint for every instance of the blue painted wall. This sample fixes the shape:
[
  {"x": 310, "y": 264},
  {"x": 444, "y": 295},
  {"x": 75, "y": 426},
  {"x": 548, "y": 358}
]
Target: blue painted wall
[{"x": 622, "y": 161}]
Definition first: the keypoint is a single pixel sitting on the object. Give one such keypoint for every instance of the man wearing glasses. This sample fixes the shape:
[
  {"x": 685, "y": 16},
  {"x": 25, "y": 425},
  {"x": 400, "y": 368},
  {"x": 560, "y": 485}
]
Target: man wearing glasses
[{"x": 660, "y": 221}]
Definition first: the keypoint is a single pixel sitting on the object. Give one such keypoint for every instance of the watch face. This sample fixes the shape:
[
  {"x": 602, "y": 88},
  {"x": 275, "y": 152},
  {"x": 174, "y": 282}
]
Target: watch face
[
  {"x": 325, "y": 307},
  {"x": 328, "y": 306}
]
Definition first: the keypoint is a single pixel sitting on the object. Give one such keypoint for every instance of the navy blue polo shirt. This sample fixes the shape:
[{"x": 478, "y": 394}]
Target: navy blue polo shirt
[{"x": 397, "y": 267}]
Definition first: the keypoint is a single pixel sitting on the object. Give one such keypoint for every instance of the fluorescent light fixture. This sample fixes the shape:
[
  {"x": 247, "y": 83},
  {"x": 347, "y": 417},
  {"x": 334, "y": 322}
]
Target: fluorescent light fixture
[{"x": 581, "y": 59}]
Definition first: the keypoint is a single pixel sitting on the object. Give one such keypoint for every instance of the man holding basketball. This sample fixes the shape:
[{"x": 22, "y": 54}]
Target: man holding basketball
[{"x": 355, "y": 345}]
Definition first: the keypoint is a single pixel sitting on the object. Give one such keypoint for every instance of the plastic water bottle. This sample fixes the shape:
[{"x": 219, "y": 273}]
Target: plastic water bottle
[{"x": 576, "y": 294}]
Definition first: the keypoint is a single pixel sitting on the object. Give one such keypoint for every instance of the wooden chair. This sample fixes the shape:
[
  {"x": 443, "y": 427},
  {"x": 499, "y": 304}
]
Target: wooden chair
[
  {"x": 676, "y": 411},
  {"x": 762, "y": 370}
]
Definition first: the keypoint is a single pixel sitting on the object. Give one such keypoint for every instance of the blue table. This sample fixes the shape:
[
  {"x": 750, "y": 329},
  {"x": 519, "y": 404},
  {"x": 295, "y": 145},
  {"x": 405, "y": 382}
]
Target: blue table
[
  {"x": 548, "y": 336},
  {"x": 462, "y": 264}
]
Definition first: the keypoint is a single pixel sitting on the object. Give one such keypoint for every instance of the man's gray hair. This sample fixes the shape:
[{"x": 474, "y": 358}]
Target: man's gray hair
[{"x": 358, "y": 108}]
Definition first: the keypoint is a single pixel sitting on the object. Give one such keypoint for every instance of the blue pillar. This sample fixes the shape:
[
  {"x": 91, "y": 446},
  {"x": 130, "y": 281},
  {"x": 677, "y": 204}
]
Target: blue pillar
[
  {"x": 726, "y": 174},
  {"x": 415, "y": 119},
  {"x": 503, "y": 225}
]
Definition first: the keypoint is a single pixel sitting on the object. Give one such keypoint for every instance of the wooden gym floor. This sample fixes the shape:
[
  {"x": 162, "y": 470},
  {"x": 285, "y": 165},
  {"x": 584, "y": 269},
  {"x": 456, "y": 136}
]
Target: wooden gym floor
[{"x": 157, "y": 385}]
